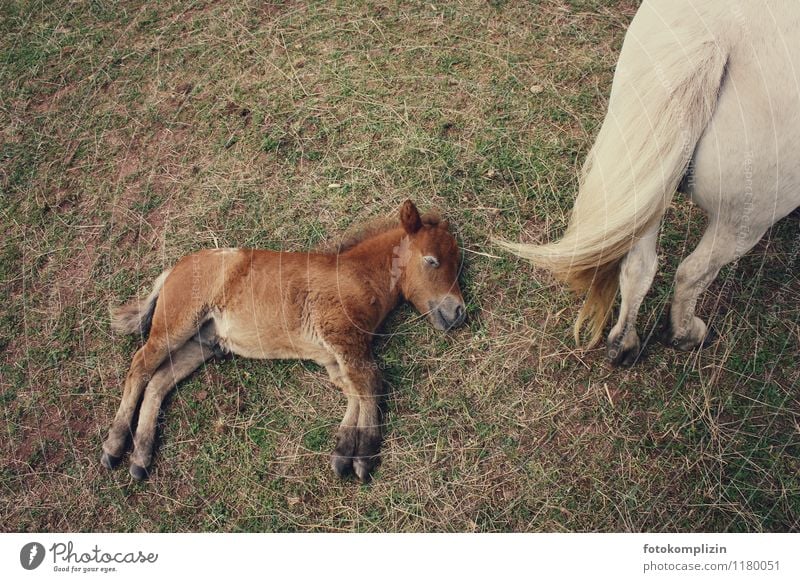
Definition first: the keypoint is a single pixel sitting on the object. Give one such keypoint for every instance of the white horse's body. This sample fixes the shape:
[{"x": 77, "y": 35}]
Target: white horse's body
[
  {"x": 705, "y": 99},
  {"x": 753, "y": 139}
]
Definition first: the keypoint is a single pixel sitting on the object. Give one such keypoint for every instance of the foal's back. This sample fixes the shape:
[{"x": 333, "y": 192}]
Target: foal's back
[{"x": 257, "y": 300}]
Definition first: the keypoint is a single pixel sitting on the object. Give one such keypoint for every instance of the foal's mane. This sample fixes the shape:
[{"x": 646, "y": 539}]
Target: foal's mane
[{"x": 356, "y": 235}]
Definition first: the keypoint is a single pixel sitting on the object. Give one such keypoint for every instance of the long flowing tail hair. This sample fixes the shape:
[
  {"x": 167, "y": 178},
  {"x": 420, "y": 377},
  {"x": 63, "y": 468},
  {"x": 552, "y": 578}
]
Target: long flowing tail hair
[{"x": 664, "y": 92}]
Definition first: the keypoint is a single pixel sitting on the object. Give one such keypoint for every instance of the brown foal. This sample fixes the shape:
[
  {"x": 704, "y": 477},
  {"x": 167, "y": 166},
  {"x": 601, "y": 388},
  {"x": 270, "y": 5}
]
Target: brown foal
[{"x": 324, "y": 307}]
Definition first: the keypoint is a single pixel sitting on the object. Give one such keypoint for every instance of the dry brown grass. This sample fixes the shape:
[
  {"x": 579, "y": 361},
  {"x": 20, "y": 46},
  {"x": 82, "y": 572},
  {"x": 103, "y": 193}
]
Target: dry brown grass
[{"x": 134, "y": 134}]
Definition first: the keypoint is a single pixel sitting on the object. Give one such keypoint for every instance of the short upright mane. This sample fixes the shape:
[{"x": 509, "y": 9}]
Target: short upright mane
[{"x": 370, "y": 229}]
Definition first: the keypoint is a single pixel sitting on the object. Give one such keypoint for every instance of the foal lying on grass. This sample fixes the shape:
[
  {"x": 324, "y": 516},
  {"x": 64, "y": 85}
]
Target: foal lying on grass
[{"x": 265, "y": 304}]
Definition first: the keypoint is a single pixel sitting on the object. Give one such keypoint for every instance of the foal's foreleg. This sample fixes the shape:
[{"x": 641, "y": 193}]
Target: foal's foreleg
[
  {"x": 178, "y": 366},
  {"x": 635, "y": 278},
  {"x": 347, "y": 435},
  {"x": 722, "y": 242},
  {"x": 358, "y": 441},
  {"x": 366, "y": 381}
]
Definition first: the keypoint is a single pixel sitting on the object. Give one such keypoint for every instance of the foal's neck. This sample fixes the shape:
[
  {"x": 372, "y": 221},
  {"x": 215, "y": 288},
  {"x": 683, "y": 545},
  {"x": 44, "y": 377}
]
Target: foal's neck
[{"x": 380, "y": 262}]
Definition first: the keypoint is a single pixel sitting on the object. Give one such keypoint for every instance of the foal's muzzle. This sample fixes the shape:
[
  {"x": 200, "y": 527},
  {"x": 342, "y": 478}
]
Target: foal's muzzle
[{"x": 447, "y": 313}]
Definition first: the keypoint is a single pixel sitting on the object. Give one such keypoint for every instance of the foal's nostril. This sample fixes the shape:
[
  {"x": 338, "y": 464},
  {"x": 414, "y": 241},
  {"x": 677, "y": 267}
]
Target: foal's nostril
[
  {"x": 447, "y": 313},
  {"x": 455, "y": 317}
]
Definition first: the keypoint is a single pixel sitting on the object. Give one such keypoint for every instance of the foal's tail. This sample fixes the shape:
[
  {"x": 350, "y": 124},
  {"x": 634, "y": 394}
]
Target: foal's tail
[
  {"x": 662, "y": 98},
  {"x": 136, "y": 316}
]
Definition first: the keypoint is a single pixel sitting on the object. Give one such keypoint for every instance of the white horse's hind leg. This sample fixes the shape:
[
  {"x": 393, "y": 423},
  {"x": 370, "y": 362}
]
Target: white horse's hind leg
[
  {"x": 636, "y": 275},
  {"x": 722, "y": 242}
]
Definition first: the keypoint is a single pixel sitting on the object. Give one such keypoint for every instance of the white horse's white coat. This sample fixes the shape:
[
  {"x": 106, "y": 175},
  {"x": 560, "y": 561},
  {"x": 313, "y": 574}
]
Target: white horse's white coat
[{"x": 705, "y": 99}]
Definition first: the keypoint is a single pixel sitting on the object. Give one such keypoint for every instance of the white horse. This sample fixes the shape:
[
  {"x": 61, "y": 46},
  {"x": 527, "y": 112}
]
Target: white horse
[{"x": 705, "y": 100}]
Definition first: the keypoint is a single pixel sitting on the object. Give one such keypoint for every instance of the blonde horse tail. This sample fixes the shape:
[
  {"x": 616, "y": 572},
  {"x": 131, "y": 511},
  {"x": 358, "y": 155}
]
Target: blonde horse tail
[
  {"x": 662, "y": 98},
  {"x": 136, "y": 316}
]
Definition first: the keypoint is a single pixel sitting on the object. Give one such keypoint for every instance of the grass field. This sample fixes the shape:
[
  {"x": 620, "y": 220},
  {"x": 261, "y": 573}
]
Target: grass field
[{"x": 135, "y": 132}]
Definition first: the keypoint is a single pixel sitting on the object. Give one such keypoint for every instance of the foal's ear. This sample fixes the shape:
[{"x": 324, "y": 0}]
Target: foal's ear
[{"x": 409, "y": 217}]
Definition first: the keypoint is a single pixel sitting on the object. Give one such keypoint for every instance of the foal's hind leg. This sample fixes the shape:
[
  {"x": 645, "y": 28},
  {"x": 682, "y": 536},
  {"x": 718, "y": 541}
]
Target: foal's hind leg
[
  {"x": 636, "y": 275},
  {"x": 722, "y": 242},
  {"x": 145, "y": 362},
  {"x": 178, "y": 366},
  {"x": 173, "y": 324}
]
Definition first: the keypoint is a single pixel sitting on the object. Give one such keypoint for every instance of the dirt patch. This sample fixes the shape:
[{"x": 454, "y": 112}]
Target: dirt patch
[
  {"x": 232, "y": 109},
  {"x": 192, "y": 13},
  {"x": 147, "y": 173},
  {"x": 47, "y": 439},
  {"x": 54, "y": 101},
  {"x": 73, "y": 276}
]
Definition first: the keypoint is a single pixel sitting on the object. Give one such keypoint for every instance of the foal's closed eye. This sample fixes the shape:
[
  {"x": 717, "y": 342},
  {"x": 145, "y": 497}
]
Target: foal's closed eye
[{"x": 431, "y": 261}]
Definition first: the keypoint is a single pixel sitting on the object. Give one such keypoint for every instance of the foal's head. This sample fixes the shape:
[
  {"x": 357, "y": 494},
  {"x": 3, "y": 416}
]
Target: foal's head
[{"x": 429, "y": 259}]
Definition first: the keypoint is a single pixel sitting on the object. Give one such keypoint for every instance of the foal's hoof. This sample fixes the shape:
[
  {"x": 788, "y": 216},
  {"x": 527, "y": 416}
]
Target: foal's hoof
[
  {"x": 364, "y": 467},
  {"x": 138, "y": 473},
  {"x": 109, "y": 461},
  {"x": 341, "y": 465}
]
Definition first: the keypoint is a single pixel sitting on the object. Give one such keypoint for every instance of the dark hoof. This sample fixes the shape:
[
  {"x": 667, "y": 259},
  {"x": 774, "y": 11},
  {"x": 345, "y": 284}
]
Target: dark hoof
[
  {"x": 138, "y": 473},
  {"x": 341, "y": 465},
  {"x": 664, "y": 335},
  {"x": 364, "y": 467},
  {"x": 711, "y": 337},
  {"x": 624, "y": 358},
  {"x": 685, "y": 345},
  {"x": 108, "y": 461}
]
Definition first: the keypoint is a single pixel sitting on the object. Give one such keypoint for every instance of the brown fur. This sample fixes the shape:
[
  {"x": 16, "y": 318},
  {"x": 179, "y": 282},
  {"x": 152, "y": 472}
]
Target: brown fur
[
  {"x": 372, "y": 228},
  {"x": 264, "y": 304},
  {"x": 137, "y": 316}
]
